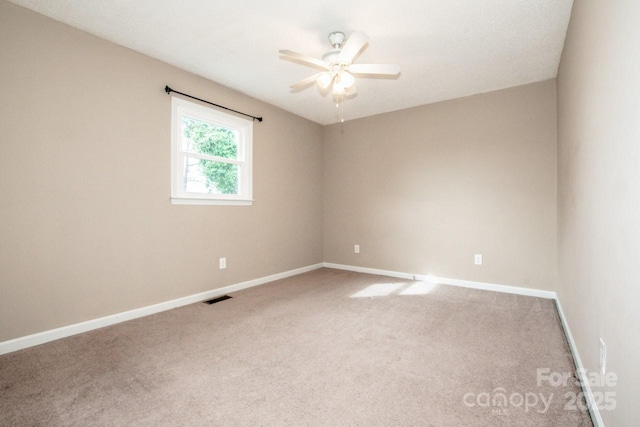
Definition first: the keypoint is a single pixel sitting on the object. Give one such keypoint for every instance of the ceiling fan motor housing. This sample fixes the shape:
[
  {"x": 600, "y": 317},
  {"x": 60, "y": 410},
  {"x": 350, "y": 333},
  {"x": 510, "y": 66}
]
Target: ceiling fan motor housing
[
  {"x": 336, "y": 39},
  {"x": 331, "y": 57}
]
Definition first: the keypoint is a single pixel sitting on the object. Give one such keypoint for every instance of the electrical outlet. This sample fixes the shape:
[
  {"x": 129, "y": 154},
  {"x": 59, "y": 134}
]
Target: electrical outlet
[
  {"x": 356, "y": 249},
  {"x": 223, "y": 263},
  {"x": 603, "y": 357},
  {"x": 478, "y": 259}
]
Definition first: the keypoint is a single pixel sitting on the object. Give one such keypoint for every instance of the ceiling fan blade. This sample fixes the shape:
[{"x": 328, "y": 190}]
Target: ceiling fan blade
[
  {"x": 379, "y": 69},
  {"x": 306, "y": 82},
  {"x": 352, "y": 46},
  {"x": 306, "y": 60}
]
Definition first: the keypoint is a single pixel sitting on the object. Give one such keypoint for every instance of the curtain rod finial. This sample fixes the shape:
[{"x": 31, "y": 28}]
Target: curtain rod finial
[{"x": 168, "y": 89}]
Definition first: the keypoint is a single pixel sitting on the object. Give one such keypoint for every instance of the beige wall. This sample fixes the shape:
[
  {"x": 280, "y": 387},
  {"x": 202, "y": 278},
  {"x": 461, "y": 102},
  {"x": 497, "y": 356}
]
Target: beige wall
[
  {"x": 422, "y": 190},
  {"x": 599, "y": 192},
  {"x": 86, "y": 225}
]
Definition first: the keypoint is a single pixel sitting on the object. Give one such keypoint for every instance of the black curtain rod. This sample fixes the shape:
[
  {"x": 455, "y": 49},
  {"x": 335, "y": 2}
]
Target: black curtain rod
[{"x": 169, "y": 90}]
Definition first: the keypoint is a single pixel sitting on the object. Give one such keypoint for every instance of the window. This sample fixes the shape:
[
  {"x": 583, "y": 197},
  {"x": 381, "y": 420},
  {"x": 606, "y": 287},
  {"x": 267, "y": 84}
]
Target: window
[{"x": 210, "y": 156}]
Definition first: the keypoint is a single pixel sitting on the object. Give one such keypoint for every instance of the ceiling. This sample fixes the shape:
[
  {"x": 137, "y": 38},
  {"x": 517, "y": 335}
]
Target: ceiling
[{"x": 446, "y": 48}]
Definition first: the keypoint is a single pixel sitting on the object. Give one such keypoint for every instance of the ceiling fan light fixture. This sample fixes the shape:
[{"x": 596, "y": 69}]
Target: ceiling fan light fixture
[
  {"x": 347, "y": 79},
  {"x": 350, "y": 91},
  {"x": 324, "y": 81},
  {"x": 338, "y": 70}
]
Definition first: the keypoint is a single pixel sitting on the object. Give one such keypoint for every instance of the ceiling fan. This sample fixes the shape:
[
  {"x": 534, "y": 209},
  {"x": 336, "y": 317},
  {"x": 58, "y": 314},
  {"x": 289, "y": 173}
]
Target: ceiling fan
[{"x": 337, "y": 65}]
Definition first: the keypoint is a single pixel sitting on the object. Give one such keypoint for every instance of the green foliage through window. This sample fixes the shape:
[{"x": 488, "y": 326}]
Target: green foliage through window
[{"x": 208, "y": 139}]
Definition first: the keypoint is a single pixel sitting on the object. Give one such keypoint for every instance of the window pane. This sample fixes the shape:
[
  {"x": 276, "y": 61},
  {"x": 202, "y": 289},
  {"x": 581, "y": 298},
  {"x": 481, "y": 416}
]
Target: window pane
[
  {"x": 209, "y": 177},
  {"x": 206, "y": 138}
]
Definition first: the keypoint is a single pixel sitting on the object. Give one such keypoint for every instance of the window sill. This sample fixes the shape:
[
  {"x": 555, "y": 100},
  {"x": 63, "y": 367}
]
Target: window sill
[{"x": 234, "y": 202}]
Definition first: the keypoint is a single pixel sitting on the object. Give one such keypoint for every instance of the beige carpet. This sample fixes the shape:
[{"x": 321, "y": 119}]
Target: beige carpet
[{"x": 305, "y": 351}]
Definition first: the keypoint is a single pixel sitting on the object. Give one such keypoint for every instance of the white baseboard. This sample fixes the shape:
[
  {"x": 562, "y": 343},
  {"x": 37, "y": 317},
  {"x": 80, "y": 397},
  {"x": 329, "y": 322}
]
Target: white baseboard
[
  {"x": 445, "y": 281},
  {"x": 489, "y": 286},
  {"x": 367, "y": 270},
  {"x": 77, "y": 328},
  {"x": 586, "y": 387}
]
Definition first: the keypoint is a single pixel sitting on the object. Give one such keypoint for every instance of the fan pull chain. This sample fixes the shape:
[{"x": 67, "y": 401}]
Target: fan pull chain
[{"x": 340, "y": 104}]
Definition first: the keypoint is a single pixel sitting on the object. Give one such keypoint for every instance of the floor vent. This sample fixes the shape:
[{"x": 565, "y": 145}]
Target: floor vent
[{"x": 215, "y": 300}]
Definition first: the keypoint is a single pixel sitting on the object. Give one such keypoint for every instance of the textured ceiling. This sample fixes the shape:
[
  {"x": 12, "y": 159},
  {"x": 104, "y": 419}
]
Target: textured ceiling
[{"x": 446, "y": 48}]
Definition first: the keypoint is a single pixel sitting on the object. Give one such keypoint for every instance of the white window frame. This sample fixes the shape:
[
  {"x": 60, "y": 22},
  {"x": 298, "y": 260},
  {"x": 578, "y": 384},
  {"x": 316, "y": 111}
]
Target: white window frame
[{"x": 181, "y": 108}]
